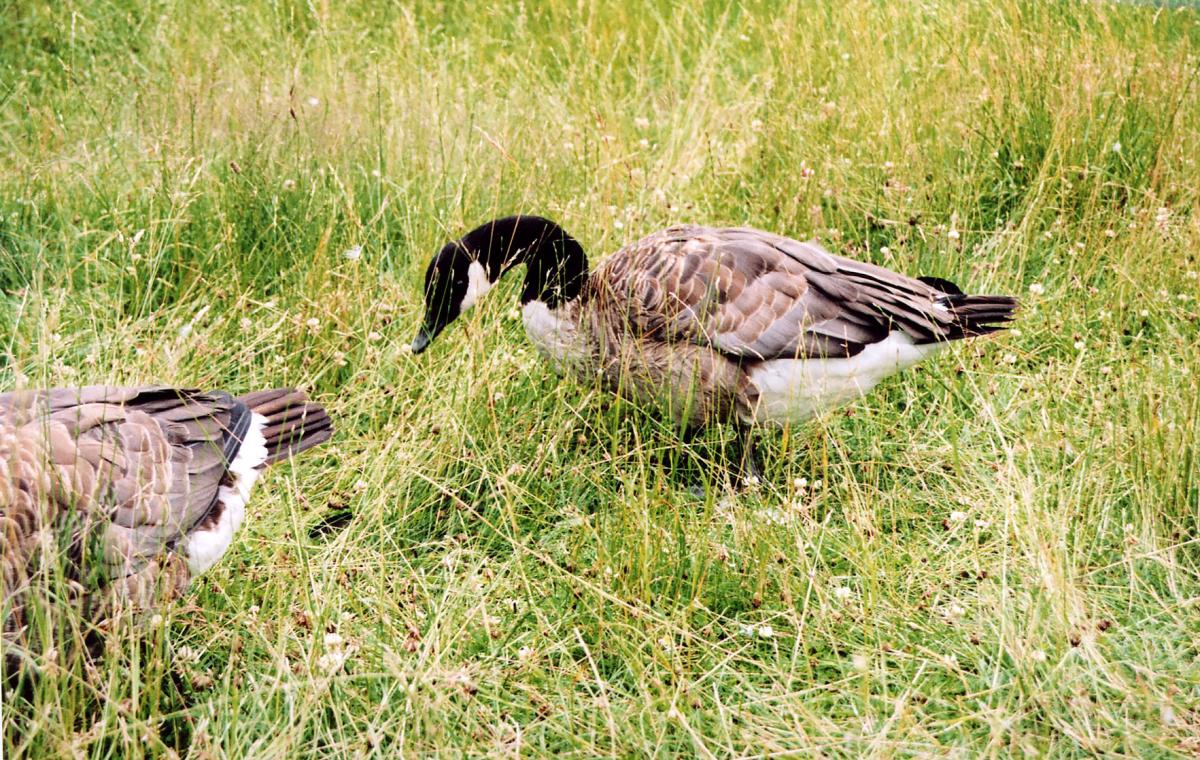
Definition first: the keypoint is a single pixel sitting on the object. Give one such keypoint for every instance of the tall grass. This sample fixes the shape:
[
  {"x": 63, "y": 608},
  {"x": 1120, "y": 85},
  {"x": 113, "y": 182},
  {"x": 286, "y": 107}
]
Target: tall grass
[{"x": 996, "y": 553}]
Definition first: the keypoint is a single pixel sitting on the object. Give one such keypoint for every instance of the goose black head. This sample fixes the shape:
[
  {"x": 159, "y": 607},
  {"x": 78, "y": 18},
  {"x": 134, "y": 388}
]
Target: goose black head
[
  {"x": 454, "y": 281},
  {"x": 467, "y": 268}
]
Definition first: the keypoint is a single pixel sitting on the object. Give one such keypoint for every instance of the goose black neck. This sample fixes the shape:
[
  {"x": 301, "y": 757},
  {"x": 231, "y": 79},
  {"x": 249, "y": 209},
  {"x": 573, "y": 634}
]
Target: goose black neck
[{"x": 555, "y": 262}]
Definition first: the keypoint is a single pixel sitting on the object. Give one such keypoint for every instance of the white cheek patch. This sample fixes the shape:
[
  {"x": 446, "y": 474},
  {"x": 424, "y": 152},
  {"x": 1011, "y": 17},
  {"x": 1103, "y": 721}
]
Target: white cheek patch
[{"x": 477, "y": 285}]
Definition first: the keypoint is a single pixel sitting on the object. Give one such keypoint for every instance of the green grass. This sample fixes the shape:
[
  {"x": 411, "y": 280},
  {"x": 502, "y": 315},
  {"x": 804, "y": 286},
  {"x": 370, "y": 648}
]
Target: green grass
[{"x": 1003, "y": 555}]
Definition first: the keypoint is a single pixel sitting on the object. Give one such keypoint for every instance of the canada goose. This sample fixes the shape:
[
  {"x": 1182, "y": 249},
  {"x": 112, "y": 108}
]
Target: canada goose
[
  {"x": 732, "y": 325},
  {"x": 132, "y": 491}
]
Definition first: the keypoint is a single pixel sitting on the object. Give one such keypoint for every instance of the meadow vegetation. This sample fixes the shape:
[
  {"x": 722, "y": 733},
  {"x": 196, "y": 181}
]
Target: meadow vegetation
[{"x": 995, "y": 554}]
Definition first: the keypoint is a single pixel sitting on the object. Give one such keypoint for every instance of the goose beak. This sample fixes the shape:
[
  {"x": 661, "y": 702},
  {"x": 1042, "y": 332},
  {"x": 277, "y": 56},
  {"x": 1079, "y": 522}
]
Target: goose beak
[{"x": 421, "y": 342}]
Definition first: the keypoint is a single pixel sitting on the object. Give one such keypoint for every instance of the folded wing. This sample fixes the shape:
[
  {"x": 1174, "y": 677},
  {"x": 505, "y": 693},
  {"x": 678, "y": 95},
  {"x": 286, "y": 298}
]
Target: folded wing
[{"x": 756, "y": 296}]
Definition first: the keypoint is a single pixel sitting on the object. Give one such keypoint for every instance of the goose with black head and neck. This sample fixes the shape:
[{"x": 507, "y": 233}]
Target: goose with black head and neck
[{"x": 713, "y": 325}]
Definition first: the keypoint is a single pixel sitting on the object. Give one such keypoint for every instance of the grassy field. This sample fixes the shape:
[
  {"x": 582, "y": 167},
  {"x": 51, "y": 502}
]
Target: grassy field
[{"x": 997, "y": 554}]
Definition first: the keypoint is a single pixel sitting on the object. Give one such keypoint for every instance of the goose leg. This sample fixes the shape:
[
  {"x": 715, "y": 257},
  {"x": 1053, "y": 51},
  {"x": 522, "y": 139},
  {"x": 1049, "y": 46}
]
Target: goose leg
[
  {"x": 749, "y": 468},
  {"x": 698, "y": 490}
]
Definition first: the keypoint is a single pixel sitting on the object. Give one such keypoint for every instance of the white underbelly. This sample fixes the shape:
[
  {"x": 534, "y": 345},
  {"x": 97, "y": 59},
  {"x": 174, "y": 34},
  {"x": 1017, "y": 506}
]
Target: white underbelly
[
  {"x": 205, "y": 546},
  {"x": 795, "y": 390}
]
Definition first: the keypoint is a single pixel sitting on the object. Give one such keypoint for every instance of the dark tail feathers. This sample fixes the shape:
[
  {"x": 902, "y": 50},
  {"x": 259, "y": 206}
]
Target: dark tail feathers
[
  {"x": 293, "y": 423},
  {"x": 973, "y": 315}
]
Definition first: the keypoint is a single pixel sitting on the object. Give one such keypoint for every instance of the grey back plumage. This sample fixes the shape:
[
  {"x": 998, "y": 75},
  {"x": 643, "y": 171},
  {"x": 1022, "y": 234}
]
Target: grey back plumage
[{"x": 754, "y": 295}]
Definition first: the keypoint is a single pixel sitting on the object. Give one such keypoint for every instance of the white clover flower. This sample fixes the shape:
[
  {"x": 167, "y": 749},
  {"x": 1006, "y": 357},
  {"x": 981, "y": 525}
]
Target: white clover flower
[
  {"x": 1037, "y": 655},
  {"x": 860, "y": 663},
  {"x": 353, "y": 253},
  {"x": 843, "y": 593},
  {"x": 1080, "y": 345},
  {"x": 982, "y": 524},
  {"x": 765, "y": 631},
  {"x": 333, "y": 660},
  {"x": 952, "y": 234},
  {"x": 245, "y": 323},
  {"x": 958, "y": 516},
  {"x": 333, "y": 640},
  {"x": 314, "y": 101},
  {"x": 1037, "y": 289},
  {"x": 800, "y": 483},
  {"x": 1116, "y": 147},
  {"x": 313, "y": 323},
  {"x": 777, "y": 517},
  {"x": 1166, "y": 714}
]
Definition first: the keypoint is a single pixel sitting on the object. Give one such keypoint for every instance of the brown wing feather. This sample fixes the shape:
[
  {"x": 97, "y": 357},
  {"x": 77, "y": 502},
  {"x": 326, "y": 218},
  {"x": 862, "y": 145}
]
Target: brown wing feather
[
  {"x": 755, "y": 295},
  {"x": 114, "y": 473}
]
